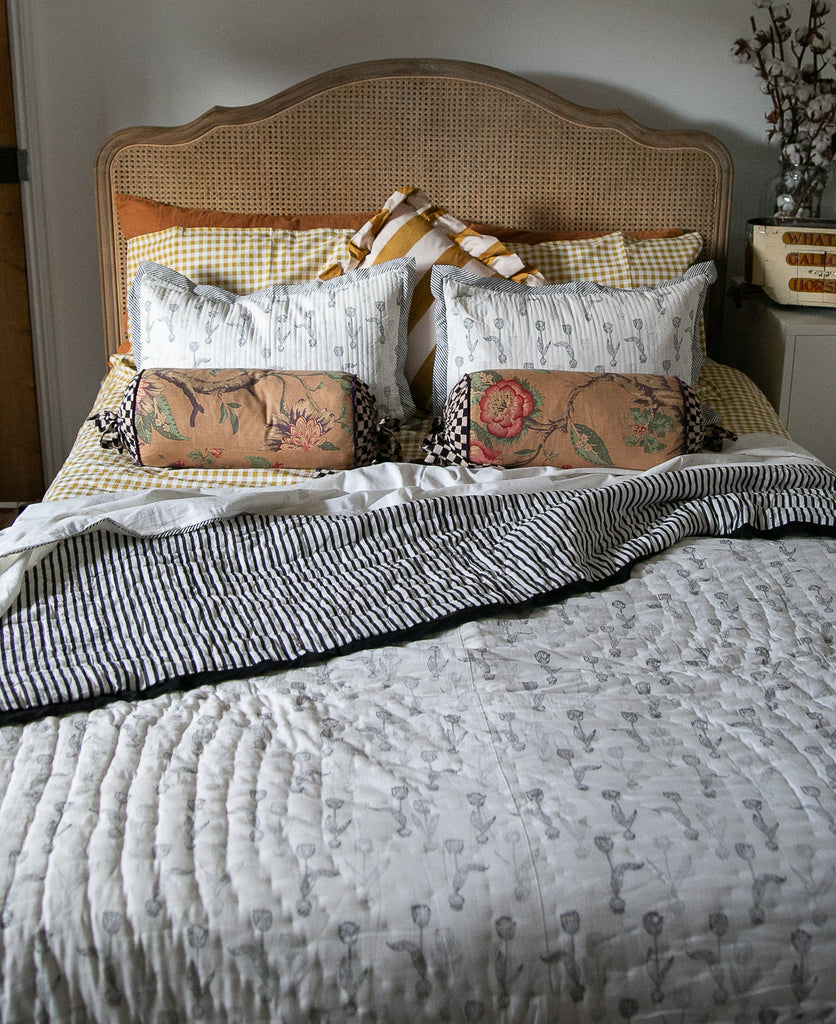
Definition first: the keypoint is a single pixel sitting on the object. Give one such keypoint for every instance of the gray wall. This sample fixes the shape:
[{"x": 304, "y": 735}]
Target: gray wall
[{"x": 90, "y": 67}]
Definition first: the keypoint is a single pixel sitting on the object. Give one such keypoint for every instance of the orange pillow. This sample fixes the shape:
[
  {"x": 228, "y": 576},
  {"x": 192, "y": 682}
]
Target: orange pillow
[{"x": 138, "y": 216}]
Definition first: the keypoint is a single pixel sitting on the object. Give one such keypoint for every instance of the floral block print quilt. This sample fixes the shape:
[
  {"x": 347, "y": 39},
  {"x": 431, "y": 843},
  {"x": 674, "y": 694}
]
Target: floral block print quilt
[{"x": 613, "y": 804}]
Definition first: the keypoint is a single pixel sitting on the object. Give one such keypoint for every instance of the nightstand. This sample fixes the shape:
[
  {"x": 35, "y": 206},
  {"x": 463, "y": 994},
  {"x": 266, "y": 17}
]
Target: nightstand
[{"x": 790, "y": 353}]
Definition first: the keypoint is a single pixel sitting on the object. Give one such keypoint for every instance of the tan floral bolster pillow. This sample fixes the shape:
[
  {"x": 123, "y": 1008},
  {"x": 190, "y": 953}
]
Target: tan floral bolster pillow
[
  {"x": 231, "y": 419},
  {"x": 568, "y": 419}
]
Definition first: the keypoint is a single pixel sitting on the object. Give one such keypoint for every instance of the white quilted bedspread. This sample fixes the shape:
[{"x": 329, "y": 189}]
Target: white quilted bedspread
[{"x": 619, "y": 807}]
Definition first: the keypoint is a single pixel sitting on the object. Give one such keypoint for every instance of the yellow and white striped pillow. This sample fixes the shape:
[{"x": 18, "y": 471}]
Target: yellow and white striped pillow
[{"x": 410, "y": 225}]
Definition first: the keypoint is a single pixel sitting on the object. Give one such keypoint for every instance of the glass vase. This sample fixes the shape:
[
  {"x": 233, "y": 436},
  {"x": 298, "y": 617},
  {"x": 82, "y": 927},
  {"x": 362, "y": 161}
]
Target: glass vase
[{"x": 798, "y": 189}]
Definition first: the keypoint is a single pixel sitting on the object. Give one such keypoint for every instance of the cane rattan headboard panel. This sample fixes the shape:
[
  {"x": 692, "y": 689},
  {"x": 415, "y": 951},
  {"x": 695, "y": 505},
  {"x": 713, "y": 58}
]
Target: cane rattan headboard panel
[{"x": 489, "y": 145}]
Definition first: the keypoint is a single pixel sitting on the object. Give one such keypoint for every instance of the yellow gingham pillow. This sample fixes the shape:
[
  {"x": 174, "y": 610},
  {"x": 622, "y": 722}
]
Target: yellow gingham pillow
[
  {"x": 240, "y": 260},
  {"x": 409, "y": 224},
  {"x": 602, "y": 259},
  {"x": 654, "y": 260}
]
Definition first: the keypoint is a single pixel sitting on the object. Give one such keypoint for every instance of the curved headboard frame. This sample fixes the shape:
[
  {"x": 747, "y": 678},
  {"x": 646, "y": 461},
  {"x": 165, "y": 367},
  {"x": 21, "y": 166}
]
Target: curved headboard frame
[{"x": 489, "y": 145}]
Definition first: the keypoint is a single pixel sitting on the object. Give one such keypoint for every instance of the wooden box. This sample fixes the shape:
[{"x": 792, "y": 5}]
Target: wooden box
[{"x": 794, "y": 261}]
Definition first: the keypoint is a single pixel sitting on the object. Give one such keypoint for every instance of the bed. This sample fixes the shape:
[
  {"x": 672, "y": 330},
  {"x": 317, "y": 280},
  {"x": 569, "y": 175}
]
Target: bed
[{"x": 424, "y": 738}]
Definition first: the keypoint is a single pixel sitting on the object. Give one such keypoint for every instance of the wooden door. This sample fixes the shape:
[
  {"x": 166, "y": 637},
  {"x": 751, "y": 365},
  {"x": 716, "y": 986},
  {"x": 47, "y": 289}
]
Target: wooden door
[{"x": 21, "y": 473}]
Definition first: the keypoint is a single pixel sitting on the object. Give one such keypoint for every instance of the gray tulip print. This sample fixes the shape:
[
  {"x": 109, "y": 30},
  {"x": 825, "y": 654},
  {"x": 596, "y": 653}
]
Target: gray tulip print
[
  {"x": 674, "y": 808},
  {"x": 619, "y": 816},
  {"x": 426, "y": 820},
  {"x": 455, "y": 848},
  {"x": 760, "y": 882},
  {"x": 613, "y": 347},
  {"x": 399, "y": 795},
  {"x": 543, "y": 346},
  {"x": 255, "y": 951},
  {"x": 567, "y": 343},
  {"x": 718, "y": 924},
  {"x": 570, "y": 922},
  {"x": 350, "y": 979},
  {"x": 578, "y": 771},
  {"x": 333, "y": 826},
  {"x": 803, "y": 980},
  {"x": 587, "y": 739},
  {"x": 306, "y": 852},
  {"x": 505, "y": 970},
  {"x": 495, "y": 340},
  {"x": 421, "y": 918},
  {"x": 605, "y": 845},
  {"x": 570, "y": 809},
  {"x": 198, "y": 983},
  {"x": 656, "y": 965},
  {"x": 636, "y": 339},
  {"x": 535, "y": 797}
]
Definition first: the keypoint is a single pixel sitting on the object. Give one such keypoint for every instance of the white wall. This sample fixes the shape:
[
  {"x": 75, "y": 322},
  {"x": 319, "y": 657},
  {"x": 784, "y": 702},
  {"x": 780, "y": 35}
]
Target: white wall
[{"x": 94, "y": 66}]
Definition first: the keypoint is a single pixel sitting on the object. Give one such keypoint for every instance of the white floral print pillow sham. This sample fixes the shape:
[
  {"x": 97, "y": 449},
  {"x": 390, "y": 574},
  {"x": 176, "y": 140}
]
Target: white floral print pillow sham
[
  {"x": 353, "y": 324},
  {"x": 486, "y": 323}
]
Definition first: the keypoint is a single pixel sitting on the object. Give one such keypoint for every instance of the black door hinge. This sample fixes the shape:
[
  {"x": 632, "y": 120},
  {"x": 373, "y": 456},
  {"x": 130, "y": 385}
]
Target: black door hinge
[{"x": 14, "y": 165}]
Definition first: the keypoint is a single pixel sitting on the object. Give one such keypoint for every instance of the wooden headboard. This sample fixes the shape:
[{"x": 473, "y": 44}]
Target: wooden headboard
[{"x": 490, "y": 146}]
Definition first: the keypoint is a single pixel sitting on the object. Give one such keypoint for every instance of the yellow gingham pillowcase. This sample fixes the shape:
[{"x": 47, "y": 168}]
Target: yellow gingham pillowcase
[
  {"x": 654, "y": 260},
  {"x": 604, "y": 260},
  {"x": 240, "y": 260}
]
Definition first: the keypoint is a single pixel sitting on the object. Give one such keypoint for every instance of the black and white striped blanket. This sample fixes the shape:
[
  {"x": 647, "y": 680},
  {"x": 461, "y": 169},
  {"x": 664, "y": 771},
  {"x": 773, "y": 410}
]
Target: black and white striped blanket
[{"x": 107, "y": 615}]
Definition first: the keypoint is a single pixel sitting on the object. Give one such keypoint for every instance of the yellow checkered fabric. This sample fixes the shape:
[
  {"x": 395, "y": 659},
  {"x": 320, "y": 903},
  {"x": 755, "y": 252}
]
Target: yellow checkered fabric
[
  {"x": 743, "y": 408},
  {"x": 653, "y": 260},
  {"x": 603, "y": 259},
  {"x": 240, "y": 260},
  {"x": 91, "y": 469}
]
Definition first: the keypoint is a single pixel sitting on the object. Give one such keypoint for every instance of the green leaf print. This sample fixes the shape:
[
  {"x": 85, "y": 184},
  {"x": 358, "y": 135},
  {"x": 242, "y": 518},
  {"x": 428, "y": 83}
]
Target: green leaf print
[
  {"x": 144, "y": 427},
  {"x": 228, "y": 413},
  {"x": 164, "y": 422},
  {"x": 650, "y": 444},
  {"x": 327, "y": 446},
  {"x": 588, "y": 445},
  {"x": 648, "y": 423},
  {"x": 657, "y": 422},
  {"x": 257, "y": 462}
]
